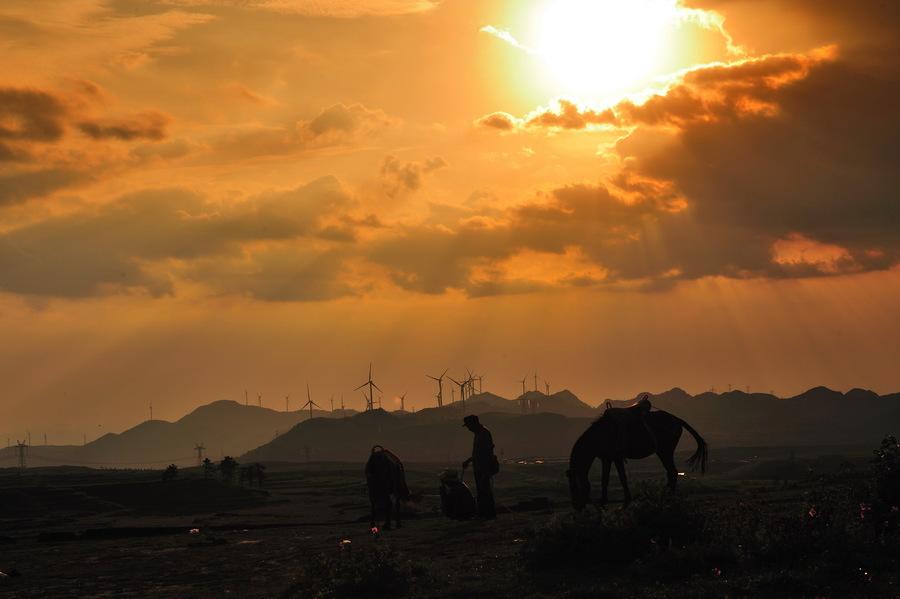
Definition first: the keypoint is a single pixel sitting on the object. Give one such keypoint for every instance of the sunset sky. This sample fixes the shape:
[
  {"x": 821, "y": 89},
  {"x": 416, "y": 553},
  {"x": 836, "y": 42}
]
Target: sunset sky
[{"x": 199, "y": 197}]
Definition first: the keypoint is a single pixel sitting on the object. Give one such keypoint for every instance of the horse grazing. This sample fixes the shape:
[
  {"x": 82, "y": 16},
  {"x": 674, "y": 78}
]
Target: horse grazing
[
  {"x": 604, "y": 439},
  {"x": 384, "y": 478}
]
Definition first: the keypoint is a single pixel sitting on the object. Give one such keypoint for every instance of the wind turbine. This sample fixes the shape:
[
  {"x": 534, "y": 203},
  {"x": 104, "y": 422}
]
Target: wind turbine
[
  {"x": 470, "y": 383},
  {"x": 286, "y": 402},
  {"x": 259, "y": 399},
  {"x": 547, "y": 386},
  {"x": 403, "y": 402},
  {"x": 310, "y": 403},
  {"x": 462, "y": 390},
  {"x": 440, "y": 381},
  {"x": 370, "y": 400},
  {"x": 524, "y": 378},
  {"x": 535, "y": 380}
]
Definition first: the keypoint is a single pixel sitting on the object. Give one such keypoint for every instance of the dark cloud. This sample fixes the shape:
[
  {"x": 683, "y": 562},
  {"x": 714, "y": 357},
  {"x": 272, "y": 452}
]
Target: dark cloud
[
  {"x": 119, "y": 245},
  {"x": 147, "y": 125},
  {"x": 398, "y": 176},
  {"x": 498, "y": 120},
  {"x": 567, "y": 115},
  {"x": 778, "y": 167},
  {"x": 30, "y": 114},
  {"x": 334, "y": 126},
  {"x": 564, "y": 114},
  {"x": 18, "y": 187}
]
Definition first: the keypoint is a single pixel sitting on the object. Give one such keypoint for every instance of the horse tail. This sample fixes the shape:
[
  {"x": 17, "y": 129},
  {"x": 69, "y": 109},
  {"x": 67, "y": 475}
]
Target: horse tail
[{"x": 700, "y": 456}]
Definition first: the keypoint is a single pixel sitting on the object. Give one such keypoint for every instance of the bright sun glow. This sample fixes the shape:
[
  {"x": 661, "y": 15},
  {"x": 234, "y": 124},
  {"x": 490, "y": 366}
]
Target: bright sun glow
[{"x": 598, "y": 50}]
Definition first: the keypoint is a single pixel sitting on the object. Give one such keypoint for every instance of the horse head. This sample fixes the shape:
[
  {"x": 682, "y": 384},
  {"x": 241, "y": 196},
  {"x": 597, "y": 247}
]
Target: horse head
[{"x": 579, "y": 487}]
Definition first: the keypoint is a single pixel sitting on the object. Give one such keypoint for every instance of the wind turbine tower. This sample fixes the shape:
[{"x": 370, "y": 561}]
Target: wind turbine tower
[
  {"x": 524, "y": 378},
  {"x": 370, "y": 400},
  {"x": 440, "y": 381},
  {"x": 286, "y": 402},
  {"x": 462, "y": 390},
  {"x": 310, "y": 403}
]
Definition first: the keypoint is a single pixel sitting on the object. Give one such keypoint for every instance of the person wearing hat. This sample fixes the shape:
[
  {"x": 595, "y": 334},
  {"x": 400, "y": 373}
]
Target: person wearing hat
[{"x": 485, "y": 466}]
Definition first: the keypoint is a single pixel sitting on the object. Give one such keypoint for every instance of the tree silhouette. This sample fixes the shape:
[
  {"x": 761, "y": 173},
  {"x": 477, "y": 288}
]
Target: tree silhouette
[
  {"x": 209, "y": 469},
  {"x": 227, "y": 467},
  {"x": 170, "y": 473},
  {"x": 260, "y": 473}
]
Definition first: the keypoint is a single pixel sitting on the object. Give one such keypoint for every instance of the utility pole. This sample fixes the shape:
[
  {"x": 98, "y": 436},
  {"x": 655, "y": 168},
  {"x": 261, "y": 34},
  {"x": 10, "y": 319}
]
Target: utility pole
[
  {"x": 199, "y": 449},
  {"x": 21, "y": 447}
]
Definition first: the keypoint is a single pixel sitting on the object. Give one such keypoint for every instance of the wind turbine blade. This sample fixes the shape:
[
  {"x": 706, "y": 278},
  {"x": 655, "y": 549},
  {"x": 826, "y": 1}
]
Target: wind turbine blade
[
  {"x": 445, "y": 372},
  {"x": 361, "y": 386},
  {"x": 376, "y": 386}
]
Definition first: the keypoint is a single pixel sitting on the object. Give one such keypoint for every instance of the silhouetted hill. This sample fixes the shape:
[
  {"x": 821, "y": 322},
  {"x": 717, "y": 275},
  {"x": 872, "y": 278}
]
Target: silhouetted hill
[
  {"x": 223, "y": 427},
  {"x": 818, "y": 417},
  {"x": 419, "y": 439}
]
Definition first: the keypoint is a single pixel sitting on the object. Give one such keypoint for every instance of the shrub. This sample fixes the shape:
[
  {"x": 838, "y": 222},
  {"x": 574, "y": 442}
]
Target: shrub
[
  {"x": 655, "y": 521},
  {"x": 376, "y": 572},
  {"x": 886, "y": 466}
]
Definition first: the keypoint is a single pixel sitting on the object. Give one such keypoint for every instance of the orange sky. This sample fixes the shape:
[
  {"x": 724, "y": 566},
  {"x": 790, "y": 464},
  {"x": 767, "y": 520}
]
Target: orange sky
[{"x": 203, "y": 196}]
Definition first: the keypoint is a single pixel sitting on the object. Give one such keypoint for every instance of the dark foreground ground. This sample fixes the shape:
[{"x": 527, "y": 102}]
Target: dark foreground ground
[{"x": 761, "y": 523}]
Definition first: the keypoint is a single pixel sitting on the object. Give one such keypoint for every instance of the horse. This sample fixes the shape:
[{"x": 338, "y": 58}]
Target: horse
[
  {"x": 604, "y": 439},
  {"x": 384, "y": 478}
]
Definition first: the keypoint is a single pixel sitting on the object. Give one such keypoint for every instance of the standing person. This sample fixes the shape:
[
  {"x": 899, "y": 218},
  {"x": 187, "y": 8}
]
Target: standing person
[{"x": 485, "y": 465}]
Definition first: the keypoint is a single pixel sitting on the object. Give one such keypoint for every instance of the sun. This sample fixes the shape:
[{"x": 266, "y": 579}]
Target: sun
[{"x": 600, "y": 50}]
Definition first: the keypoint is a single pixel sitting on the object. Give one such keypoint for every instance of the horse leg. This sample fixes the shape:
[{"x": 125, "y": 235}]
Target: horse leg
[
  {"x": 668, "y": 462},
  {"x": 604, "y": 488},
  {"x": 620, "y": 468}
]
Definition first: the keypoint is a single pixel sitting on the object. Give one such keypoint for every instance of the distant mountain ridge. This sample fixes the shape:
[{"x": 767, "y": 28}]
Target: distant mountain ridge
[
  {"x": 224, "y": 427},
  {"x": 531, "y": 424}
]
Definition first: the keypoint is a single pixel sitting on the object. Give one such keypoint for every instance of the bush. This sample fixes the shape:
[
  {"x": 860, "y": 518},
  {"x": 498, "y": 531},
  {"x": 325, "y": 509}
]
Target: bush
[
  {"x": 376, "y": 572},
  {"x": 886, "y": 466},
  {"x": 655, "y": 521}
]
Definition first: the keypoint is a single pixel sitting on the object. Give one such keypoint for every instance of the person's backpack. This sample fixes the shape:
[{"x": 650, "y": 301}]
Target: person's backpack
[{"x": 457, "y": 501}]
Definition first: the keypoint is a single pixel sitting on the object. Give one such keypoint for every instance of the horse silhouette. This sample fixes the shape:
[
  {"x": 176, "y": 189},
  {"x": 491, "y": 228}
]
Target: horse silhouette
[
  {"x": 604, "y": 440},
  {"x": 385, "y": 478}
]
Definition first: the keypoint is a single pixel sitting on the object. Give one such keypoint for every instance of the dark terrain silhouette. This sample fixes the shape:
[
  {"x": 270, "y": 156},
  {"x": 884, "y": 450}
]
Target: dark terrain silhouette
[
  {"x": 385, "y": 479},
  {"x": 602, "y": 440}
]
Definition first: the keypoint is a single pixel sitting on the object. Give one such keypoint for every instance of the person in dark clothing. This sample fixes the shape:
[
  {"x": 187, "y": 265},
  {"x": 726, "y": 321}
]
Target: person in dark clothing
[{"x": 485, "y": 466}]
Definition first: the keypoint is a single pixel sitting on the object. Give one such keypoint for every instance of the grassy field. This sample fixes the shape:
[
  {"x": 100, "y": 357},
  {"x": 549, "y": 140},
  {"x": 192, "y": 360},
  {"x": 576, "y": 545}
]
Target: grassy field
[{"x": 745, "y": 529}]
